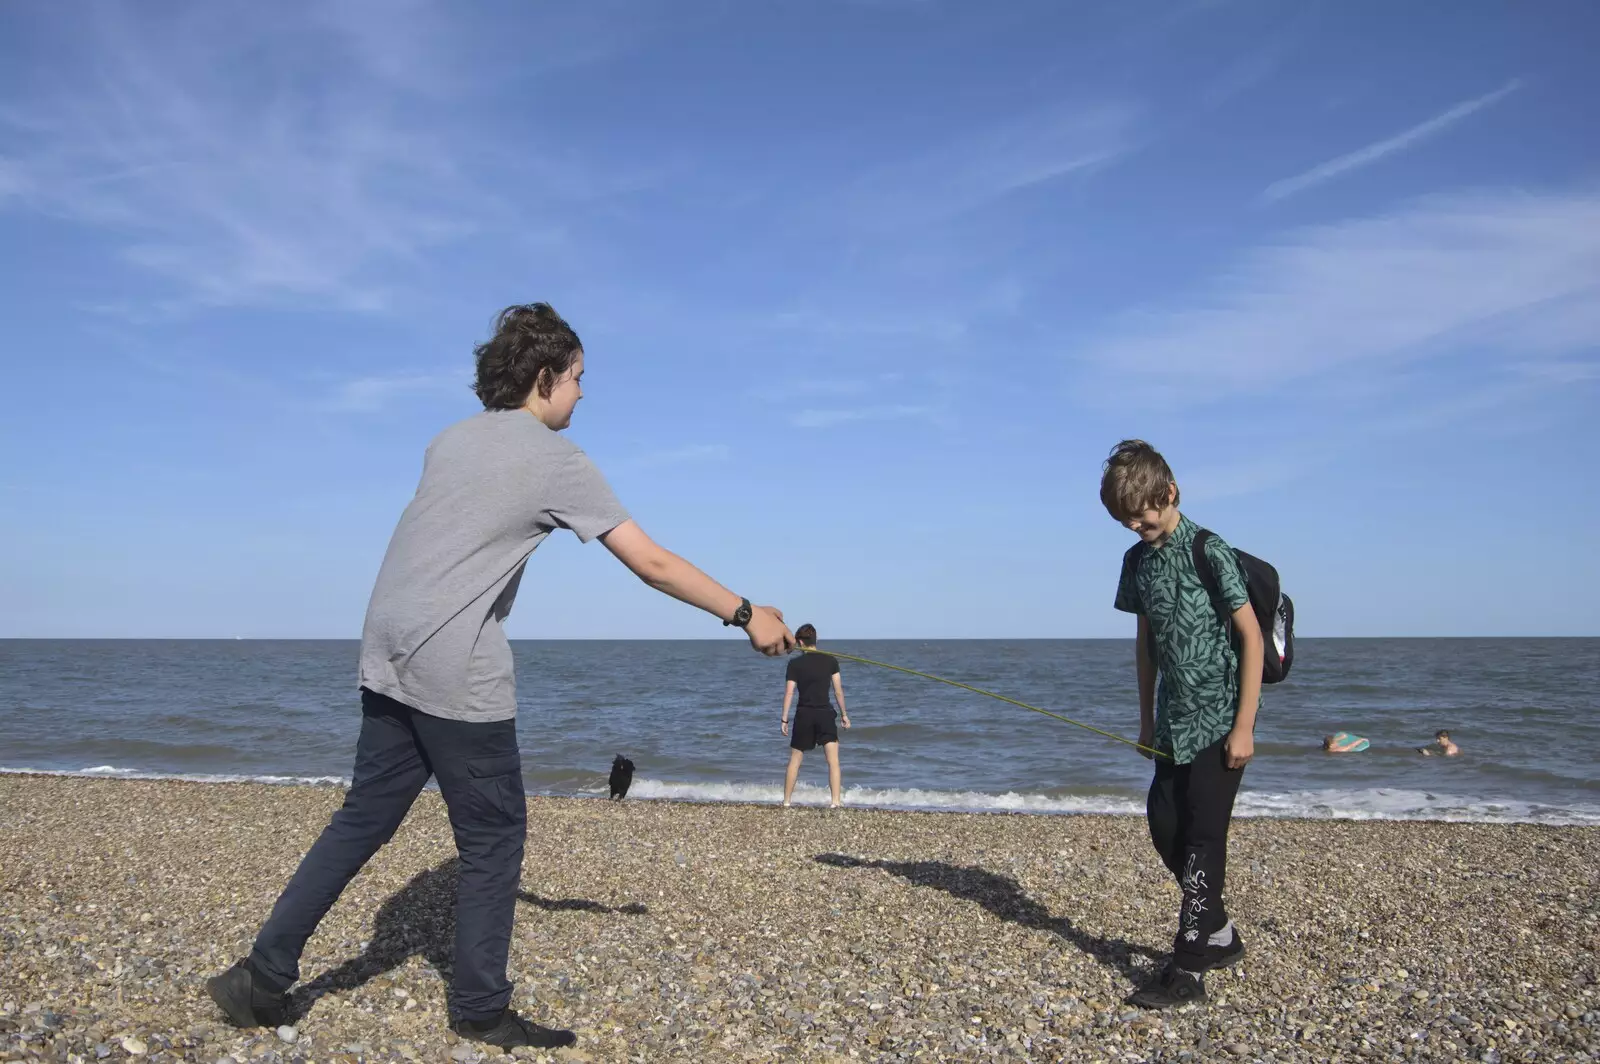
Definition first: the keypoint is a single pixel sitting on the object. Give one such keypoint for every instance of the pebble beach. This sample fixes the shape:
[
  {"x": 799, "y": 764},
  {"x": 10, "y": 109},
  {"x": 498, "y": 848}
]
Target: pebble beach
[{"x": 706, "y": 932}]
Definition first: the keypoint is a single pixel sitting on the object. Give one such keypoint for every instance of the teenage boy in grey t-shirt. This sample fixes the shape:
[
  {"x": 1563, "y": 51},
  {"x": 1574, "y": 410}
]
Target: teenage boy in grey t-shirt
[{"x": 438, "y": 691}]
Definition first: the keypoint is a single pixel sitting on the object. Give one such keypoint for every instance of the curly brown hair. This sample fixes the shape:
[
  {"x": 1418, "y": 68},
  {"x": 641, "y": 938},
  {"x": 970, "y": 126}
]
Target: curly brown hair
[{"x": 532, "y": 347}]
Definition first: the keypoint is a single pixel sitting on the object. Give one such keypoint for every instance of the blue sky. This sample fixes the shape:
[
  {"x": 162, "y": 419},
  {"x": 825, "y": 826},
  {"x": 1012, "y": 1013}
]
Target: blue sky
[{"x": 868, "y": 289}]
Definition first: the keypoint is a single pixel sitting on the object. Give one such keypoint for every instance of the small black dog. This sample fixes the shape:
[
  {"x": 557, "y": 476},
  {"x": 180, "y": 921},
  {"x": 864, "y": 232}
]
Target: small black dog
[{"x": 621, "y": 777}]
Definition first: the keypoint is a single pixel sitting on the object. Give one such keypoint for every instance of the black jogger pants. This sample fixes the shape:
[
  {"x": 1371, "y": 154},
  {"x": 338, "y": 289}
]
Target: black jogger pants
[{"x": 1189, "y": 808}]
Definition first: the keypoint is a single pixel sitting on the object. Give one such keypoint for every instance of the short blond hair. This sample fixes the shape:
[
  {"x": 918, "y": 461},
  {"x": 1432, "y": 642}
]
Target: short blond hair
[{"x": 1136, "y": 478}]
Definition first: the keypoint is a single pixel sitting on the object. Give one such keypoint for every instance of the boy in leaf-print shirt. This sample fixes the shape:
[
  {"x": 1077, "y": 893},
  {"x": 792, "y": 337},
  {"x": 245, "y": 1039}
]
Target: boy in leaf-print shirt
[{"x": 1201, "y": 716}]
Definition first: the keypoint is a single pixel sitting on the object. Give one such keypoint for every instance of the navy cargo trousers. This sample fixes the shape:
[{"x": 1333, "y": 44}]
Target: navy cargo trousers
[{"x": 479, "y": 769}]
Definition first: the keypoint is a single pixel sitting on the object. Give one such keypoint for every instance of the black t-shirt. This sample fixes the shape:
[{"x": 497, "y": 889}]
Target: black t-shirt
[{"x": 813, "y": 673}]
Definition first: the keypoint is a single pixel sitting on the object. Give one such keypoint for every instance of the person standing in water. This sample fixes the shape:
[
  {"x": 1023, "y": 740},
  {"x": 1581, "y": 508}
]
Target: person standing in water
[{"x": 811, "y": 675}]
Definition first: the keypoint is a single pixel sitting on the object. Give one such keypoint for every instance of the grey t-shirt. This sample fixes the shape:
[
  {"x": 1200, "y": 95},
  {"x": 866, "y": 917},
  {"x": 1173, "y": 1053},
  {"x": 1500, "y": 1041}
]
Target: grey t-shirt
[{"x": 493, "y": 486}]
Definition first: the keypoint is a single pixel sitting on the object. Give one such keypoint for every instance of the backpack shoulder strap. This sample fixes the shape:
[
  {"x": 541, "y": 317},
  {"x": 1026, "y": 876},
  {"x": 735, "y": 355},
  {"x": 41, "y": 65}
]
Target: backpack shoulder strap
[
  {"x": 1136, "y": 555},
  {"x": 1207, "y": 574},
  {"x": 1202, "y": 562}
]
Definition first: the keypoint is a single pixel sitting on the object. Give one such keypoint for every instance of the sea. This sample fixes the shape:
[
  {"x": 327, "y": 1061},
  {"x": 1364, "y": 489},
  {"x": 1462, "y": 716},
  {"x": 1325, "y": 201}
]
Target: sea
[{"x": 699, "y": 719}]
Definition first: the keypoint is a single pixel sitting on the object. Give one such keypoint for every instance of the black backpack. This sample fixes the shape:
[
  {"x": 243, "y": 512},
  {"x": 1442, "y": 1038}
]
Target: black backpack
[{"x": 1273, "y": 609}]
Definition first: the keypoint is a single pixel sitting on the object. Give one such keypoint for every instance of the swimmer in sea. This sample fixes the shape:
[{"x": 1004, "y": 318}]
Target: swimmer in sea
[
  {"x": 1344, "y": 743},
  {"x": 1441, "y": 745}
]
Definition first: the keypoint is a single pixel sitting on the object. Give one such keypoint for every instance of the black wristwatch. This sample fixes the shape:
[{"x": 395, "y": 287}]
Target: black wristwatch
[{"x": 742, "y": 615}]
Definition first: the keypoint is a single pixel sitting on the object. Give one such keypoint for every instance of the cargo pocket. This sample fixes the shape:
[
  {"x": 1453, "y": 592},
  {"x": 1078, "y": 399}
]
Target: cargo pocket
[{"x": 495, "y": 786}]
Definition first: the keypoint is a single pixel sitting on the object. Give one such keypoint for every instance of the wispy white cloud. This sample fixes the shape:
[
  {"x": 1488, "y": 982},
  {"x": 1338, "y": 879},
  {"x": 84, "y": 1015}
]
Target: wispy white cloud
[
  {"x": 369, "y": 394},
  {"x": 824, "y": 401},
  {"x": 1504, "y": 401},
  {"x": 1562, "y": 372},
  {"x": 444, "y": 49},
  {"x": 822, "y": 418},
  {"x": 1508, "y": 277},
  {"x": 316, "y": 154},
  {"x": 976, "y": 169},
  {"x": 695, "y": 452},
  {"x": 1239, "y": 479},
  {"x": 804, "y": 388},
  {"x": 1243, "y": 76},
  {"x": 242, "y": 173},
  {"x": 810, "y": 388},
  {"x": 1261, "y": 62},
  {"x": 926, "y": 326},
  {"x": 12, "y": 179},
  {"x": 1372, "y": 153}
]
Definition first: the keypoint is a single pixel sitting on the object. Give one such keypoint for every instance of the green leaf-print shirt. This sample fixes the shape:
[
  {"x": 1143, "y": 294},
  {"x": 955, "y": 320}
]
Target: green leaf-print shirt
[{"x": 1198, "y": 693}]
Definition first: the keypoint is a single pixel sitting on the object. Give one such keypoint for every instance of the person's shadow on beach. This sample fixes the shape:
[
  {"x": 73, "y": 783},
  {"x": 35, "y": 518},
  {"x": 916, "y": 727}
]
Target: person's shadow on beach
[
  {"x": 420, "y": 920},
  {"x": 1005, "y": 898}
]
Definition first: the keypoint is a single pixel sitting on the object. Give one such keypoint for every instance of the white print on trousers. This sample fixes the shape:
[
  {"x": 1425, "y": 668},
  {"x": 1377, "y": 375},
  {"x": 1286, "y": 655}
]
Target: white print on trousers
[{"x": 1194, "y": 881}]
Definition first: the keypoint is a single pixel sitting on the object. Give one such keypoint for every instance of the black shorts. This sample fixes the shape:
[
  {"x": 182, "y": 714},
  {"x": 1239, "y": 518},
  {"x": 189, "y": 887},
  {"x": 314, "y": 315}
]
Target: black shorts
[{"x": 812, "y": 727}]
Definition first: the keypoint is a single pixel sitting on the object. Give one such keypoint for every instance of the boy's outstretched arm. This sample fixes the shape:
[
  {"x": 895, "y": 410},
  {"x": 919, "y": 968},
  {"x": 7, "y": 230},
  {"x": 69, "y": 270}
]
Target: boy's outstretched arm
[
  {"x": 1147, "y": 686},
  {"x": 1241, "y": 743},
  {"x": 672, "y": 575}
]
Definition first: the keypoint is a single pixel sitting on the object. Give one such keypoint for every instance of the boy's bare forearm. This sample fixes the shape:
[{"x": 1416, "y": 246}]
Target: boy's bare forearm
[{"x": 1250, "y": 655}]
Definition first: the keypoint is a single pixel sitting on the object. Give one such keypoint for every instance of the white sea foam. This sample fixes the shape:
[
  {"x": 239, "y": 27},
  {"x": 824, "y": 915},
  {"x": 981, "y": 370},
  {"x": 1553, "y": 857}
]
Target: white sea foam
[
  {"x": 1378, "y": 803},
  {"x": 1389, "y": 803},
  {"x": 1371, "y": 804},
  {"x": 113, "y": 772}
]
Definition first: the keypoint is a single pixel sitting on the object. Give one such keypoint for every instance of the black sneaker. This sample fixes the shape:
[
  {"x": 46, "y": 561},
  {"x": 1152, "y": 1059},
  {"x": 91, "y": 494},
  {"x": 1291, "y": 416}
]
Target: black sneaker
[
  {"x": 1224, "y": 956},
  {"x": 508, "y": 1030},
  {"x": 246, "y": 1000},
  {"x": 1173, "y": 987}
]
